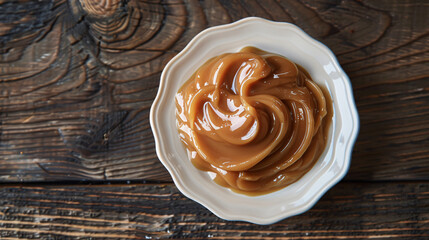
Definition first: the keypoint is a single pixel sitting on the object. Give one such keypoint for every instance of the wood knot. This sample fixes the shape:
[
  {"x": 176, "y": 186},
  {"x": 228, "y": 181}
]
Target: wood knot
[{"x": 100, "y": 8}]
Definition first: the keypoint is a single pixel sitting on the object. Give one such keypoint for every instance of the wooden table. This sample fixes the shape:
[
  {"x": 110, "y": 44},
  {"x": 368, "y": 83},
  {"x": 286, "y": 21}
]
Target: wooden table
[{"x": 77, "y": 79}]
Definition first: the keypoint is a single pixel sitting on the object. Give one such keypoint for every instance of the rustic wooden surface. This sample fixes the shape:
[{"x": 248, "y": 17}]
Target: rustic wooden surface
[
  {"x": 350, "y": 210},
  {"x": 77, "y": 79}
]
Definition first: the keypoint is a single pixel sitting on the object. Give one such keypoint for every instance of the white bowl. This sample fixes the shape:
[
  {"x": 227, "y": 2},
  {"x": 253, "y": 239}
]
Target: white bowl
[{"x": 289, "y": 41}]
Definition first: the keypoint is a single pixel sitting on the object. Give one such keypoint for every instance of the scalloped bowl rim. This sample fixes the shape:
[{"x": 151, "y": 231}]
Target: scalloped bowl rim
[{"x": 244, "y": 211}]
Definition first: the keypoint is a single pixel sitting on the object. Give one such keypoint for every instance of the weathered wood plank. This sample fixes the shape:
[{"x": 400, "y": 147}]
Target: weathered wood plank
[
  {"x": 77, "y": 79},
  {"x": 142, "y": 211}
]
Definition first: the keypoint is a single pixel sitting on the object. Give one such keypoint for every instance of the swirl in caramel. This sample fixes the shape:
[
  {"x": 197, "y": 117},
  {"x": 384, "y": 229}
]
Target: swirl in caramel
[{"x": 254, "y": 118}]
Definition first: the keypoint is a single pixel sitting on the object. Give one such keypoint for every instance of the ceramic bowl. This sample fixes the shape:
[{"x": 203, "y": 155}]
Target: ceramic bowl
[{"x": 287, "y": 40}]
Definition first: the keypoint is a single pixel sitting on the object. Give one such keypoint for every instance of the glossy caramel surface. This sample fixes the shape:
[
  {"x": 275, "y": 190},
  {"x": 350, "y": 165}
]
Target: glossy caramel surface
[{"x": 254, "y": 118}]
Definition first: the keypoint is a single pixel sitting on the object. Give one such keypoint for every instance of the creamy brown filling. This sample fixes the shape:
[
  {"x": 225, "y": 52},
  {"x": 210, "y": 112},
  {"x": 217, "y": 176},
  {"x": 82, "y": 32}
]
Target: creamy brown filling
[{"x": 255, "y": 119}]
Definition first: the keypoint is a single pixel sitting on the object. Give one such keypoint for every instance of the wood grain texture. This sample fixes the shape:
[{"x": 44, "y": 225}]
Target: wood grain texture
[
  {"x": 77, "y": 79},
  {"x": 349, "y": 210}
]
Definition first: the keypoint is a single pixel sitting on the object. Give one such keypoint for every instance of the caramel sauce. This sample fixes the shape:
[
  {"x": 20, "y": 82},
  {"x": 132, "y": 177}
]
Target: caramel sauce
[{"x": 255, "y": 119}]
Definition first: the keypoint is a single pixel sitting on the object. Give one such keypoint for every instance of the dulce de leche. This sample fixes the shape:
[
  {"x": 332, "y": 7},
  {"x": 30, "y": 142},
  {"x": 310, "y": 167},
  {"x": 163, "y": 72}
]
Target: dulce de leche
[{"x": 255, "y": 119}]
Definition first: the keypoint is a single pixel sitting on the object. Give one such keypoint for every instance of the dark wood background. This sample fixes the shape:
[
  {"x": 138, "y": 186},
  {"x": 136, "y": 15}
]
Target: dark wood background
[{"x": 77, "y": 156}]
